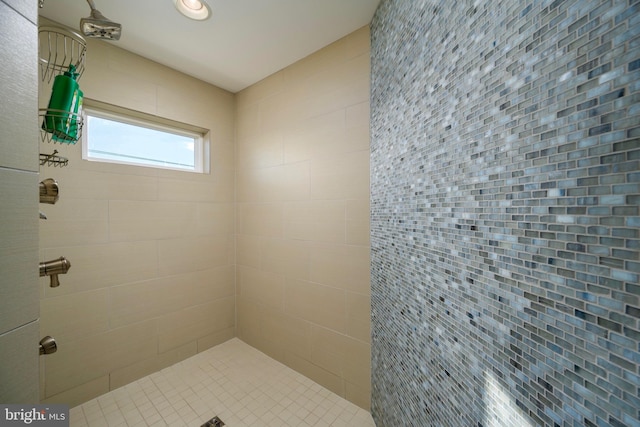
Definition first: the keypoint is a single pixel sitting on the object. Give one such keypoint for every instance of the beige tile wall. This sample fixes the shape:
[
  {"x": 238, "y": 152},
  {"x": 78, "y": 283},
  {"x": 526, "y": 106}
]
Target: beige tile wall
[
  {"x": 152, "y": 251},
  {"x": 303, "y": 292},
  {"x": 156, "y": 255}
]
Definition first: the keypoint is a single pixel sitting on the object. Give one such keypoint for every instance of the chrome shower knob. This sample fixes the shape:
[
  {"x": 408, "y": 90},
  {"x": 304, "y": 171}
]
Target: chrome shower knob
[
  {"x": 49, "y": 191},
  {"x": 48, "y": 345}
]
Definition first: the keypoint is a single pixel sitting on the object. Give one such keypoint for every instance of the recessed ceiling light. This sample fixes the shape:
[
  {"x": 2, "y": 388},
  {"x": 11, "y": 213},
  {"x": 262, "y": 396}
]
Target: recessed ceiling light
[{"x": 193, "y": 9}]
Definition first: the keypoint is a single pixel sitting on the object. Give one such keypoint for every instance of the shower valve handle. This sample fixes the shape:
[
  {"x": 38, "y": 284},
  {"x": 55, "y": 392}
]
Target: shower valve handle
[{"x": 53, "y": 268}]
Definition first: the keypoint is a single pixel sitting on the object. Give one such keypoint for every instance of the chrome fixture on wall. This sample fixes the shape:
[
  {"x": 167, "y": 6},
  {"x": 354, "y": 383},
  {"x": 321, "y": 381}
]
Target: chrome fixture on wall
[
  {"x": 53, "y": 268},
  {"x": 98, "y": 26},
  {"x": 49, "y": 190},
  {"x": 48, "y": 345}
]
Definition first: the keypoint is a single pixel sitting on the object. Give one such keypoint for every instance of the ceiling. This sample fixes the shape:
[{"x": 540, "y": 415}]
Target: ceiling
[{"x": 243, "y": 42}]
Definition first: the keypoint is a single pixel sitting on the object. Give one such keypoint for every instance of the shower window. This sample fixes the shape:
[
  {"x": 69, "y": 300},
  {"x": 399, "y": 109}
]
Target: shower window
[{"x": 121, "y": 136}]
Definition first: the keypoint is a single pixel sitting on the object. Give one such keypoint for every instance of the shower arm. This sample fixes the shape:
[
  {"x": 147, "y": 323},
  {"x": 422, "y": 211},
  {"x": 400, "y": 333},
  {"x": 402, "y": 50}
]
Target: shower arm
[{"x": 95, "y": 13}]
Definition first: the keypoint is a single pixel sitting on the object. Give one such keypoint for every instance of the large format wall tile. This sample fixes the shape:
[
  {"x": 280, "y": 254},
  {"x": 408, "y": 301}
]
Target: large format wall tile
[
  {"x": 18, "y": 248},
  {"x": 19, "y": 307},
  {"x": 302, "y": 214},
  {"x": 18, "y": 111},
  {"x": 19, "y": 352}
]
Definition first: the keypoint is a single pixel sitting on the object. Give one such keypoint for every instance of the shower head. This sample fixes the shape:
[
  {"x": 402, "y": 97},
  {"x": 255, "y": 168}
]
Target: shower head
[{"x": 98, "y": 26}]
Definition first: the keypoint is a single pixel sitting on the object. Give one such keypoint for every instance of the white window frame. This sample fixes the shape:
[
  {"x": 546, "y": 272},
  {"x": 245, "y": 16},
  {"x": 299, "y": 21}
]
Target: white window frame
[{"x": 135, "y": 118}]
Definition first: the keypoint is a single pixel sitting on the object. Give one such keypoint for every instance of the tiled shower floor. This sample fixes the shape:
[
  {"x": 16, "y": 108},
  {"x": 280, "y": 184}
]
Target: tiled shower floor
[{"x": 233, "y": 381}]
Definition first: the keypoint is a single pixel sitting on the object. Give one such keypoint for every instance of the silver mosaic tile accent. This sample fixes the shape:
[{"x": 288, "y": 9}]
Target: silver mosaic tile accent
[{"x": 505, "y": 177}]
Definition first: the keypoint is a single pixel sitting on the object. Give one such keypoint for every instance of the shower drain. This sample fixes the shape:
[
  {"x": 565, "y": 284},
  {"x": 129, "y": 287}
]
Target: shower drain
[{"x": 213, "y": 422}]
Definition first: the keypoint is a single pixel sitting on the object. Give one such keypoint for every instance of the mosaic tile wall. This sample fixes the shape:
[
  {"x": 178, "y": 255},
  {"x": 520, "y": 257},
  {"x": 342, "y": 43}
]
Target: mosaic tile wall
[{"x": 505, "y": 219}]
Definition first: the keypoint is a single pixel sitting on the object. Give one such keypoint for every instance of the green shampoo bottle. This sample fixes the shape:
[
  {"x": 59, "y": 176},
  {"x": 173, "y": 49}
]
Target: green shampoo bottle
[{"x": 66, "y": 98}]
